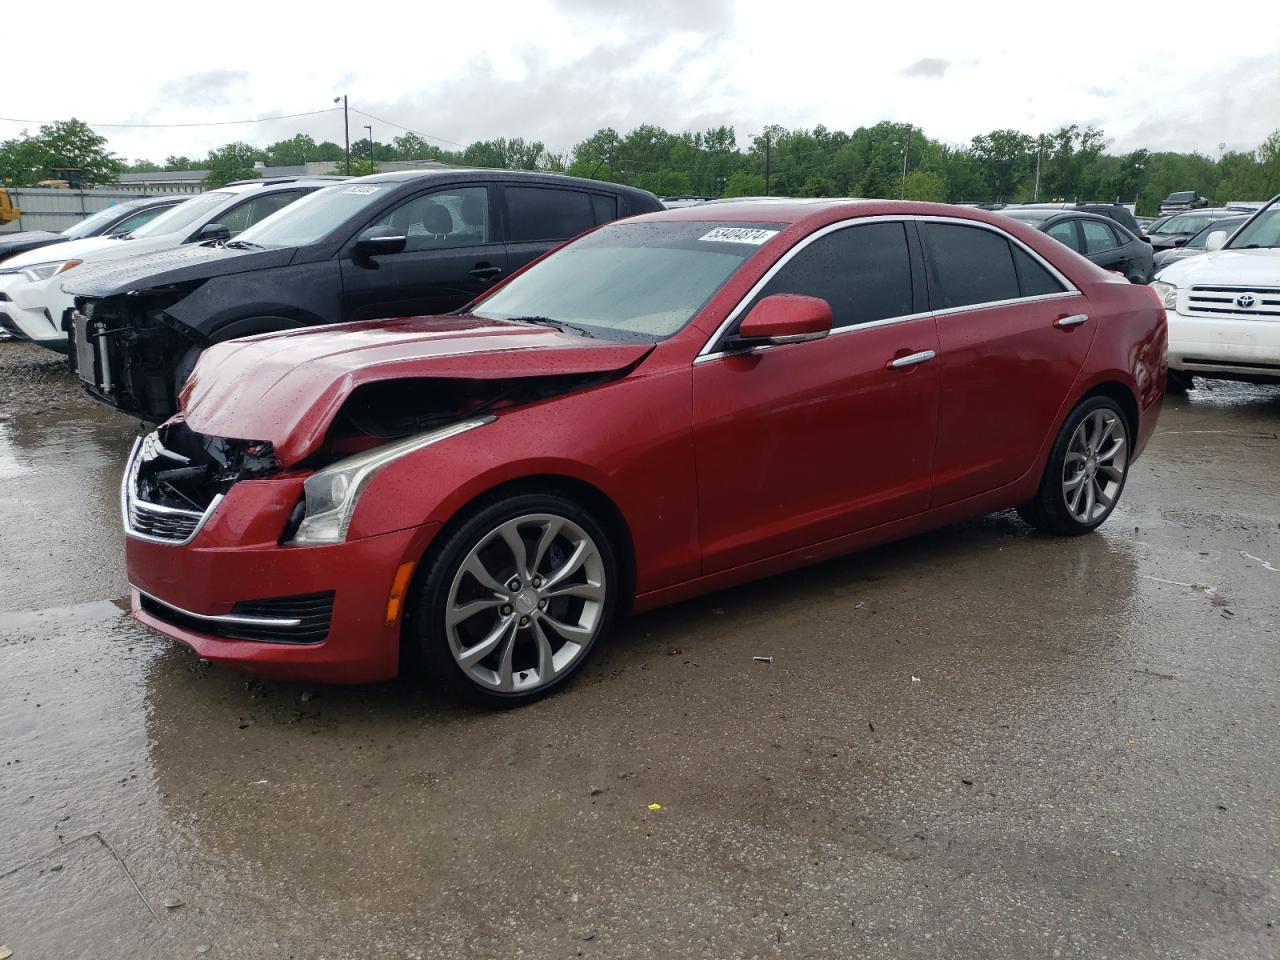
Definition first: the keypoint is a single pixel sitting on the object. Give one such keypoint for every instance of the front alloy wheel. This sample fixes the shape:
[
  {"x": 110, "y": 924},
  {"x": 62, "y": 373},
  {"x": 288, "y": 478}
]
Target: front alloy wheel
[{"x": 519, "y": 597}]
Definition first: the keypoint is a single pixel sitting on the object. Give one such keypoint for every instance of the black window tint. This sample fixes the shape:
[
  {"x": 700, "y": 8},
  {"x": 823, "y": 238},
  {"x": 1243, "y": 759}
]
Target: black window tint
[
  {"x": 547, "y": 213},
  {"x": 606, "y": 208},
  {"x": 863, "y": 272},
  {"x": 973, "y": 265},
  {"x": 1034, "y": 280}
]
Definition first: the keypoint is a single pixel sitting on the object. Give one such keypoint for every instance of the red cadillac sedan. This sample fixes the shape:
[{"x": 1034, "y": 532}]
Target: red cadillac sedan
[{"x": 665, "y": 406}]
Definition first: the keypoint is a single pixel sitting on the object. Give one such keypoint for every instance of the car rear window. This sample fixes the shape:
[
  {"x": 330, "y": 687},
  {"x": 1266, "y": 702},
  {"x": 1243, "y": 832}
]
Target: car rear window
[
  {"x": 1033, "y": 279},
  {"x": 604, "y": 207},
  {"x": 547, "y": 213},
  {"x": 973, "y": 265}
]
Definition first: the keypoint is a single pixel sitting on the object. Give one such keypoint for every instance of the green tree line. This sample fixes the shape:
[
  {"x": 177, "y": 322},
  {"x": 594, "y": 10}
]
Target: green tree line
[{"x": 884, "y": 160}]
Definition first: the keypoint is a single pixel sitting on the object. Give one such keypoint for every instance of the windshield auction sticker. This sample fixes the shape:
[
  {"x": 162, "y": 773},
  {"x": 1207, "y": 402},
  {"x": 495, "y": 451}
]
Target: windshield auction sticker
[
  {"x": 750, "y": 235},
  {"x": 363, "y": 191}
]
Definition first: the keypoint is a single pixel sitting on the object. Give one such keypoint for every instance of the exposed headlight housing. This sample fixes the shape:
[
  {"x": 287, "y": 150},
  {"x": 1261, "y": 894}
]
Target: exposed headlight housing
[
  {"x": 1167, "y": 293},
  {"x": 44, "y": 271},
  {"x": 331, "y": 494}
]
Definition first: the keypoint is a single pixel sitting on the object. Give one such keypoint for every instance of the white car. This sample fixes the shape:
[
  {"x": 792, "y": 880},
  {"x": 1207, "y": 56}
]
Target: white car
[
  {"x": 1224, "y": 305},
  {"x": 31, "y": 296}
]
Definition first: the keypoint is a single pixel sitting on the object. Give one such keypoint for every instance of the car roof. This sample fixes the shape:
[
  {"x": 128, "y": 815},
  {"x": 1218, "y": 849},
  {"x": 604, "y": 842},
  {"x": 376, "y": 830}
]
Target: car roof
[
  {"x": 790, "y": 210},
  {"x": 533, "y": 176}
]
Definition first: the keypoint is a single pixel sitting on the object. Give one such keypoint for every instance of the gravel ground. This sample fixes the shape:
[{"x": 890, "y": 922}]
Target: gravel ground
[{"x": 981, "y": 742}]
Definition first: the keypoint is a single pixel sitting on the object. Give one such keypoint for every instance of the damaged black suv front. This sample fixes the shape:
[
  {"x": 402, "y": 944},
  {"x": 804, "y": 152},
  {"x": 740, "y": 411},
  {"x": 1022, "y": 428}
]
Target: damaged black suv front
[{"x": 139, "y": 325}]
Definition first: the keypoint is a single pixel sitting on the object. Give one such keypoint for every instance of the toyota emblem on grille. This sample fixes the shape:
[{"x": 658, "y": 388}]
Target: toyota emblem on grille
[{"x": 1245, "y": 300}]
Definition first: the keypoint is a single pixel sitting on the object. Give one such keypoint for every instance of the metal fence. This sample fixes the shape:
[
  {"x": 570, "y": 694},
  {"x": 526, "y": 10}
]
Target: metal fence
[{"x": 45, "y": 208}]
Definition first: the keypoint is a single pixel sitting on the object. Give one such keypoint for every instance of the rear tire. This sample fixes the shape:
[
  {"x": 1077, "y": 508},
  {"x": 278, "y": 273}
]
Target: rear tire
[
  {"x": 1178, "y": 382},
  {"x": 1086, "y": 472},
  {"x": 514, "y": 601}
]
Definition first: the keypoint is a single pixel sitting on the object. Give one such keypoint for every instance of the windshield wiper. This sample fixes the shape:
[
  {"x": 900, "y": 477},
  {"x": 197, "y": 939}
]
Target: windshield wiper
[
  {"x": 122, "y": 236},
  {"x": 561, "y": 325},
  {"x": 244, "y": 245}
]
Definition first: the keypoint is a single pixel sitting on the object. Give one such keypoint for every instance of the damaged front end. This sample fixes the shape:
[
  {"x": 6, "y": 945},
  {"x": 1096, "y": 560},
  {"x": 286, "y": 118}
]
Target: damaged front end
[
  {"x": 175, "y": 479},
  {"x": 129, "y": 353}
]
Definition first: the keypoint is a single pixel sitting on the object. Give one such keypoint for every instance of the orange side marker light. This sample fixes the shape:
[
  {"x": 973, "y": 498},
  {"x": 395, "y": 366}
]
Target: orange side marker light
[{"x": 399, "y": 584}]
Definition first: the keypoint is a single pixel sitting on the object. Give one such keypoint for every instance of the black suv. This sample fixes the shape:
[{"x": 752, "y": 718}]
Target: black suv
[{"x": 393, "y": 244}]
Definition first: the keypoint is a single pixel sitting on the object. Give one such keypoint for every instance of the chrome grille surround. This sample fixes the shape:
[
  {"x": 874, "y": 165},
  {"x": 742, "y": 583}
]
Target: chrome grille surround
[
  {"x": 1219, "y": 300},
  {"x": 152, "y": 521}
]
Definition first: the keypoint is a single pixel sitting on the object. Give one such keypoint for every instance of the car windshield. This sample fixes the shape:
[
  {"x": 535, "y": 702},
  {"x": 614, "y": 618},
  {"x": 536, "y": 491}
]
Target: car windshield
[
  {"x": 183, "y": 215},
  {"x": 1185, "y": 223},
  {"x": 316, "y": 215},
  {"x": 1262, "y": 231},
  {"x": 1184, "y": 197},
  {"x": 1200, "y": 239},
  {"x": 95, "y": 222},
  {"x": 630, "y": 281}
]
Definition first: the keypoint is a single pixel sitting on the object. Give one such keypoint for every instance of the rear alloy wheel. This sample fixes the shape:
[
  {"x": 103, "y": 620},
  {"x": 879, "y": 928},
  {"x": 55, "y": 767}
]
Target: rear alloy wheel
[
  {"x": 1086, "y": 471},
  {"x": 517, "y": 599}
]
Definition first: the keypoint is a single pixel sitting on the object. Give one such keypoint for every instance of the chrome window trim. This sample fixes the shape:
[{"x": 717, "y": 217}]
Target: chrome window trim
[
  {"x": 128, "y": 500},
  {"x": 706, "y": 353},
  {"x": 230, "y": 618}
]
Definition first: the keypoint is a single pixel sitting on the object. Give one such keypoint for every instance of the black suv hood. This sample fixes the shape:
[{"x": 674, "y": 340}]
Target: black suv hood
[
  {"x": 13, "y": 243},
  {"x": 168, "y": 267}
]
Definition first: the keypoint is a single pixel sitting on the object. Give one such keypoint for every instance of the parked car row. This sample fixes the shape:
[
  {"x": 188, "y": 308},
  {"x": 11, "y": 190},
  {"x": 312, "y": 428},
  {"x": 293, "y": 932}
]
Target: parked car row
[{"x": 1224, "y": 301}]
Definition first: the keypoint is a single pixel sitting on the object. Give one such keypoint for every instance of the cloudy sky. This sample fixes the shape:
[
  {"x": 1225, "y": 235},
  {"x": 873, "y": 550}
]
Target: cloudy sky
[{"x": 1184, "y": 76}]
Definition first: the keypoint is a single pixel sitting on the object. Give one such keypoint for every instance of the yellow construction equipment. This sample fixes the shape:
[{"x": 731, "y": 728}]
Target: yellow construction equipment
[{"x": 8, "y": 212}]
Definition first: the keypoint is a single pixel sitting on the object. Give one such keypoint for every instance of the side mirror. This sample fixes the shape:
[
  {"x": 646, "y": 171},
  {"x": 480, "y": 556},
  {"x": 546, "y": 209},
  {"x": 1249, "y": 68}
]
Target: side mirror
[
  {"x": 211, "y": 231},
  {"x": 1216, "y": 240},
  {"x": 1180, "y": 241},
  {"x": 783, "y": 318},
  {"x": 379, "y": 241}
]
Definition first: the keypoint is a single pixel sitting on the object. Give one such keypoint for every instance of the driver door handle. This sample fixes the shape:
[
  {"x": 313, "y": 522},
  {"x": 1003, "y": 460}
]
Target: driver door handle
[
  {"x": 1063, "y": 323},
  {"x": 911, "y": 359},
  {"x": 484, "y": 271}
]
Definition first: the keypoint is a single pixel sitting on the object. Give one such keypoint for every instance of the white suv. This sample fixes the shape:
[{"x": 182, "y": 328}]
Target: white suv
[
  {"x": 1224, "y": 305},
  {"x": 32, "y": 301}
]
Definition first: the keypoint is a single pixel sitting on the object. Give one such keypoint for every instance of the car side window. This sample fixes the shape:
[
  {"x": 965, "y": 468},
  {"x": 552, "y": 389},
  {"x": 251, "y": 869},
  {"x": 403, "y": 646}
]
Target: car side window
[
  {"x": 547, "y": 213},
  {"x": 138, "y": 219},
  {"x": 864, "y": 272},
  {"x": 1064, "y": 231},
  {"x": 247, "y": 214},
  {"x": 1097, "y": 236},
  {"x": 605, "y": 208},
  {"x": 1033, "y": 279},
  {"x": 443, "y": 219},
  {"x": 972, "y": 265}
]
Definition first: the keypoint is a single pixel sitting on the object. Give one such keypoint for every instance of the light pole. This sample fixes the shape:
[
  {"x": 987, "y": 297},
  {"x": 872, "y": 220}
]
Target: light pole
[
  {"x": 906, "y": 149},
  {"x": 369, "y": 127},
  {"x": 346, "y": 129}
]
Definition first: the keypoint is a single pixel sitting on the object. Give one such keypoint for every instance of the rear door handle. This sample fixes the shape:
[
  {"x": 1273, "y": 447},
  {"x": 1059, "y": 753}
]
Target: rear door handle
[
  {"x": 1062, "y": 323},
  {"x": 484, "y": 271},
  {"x": 911, "y": 359}
]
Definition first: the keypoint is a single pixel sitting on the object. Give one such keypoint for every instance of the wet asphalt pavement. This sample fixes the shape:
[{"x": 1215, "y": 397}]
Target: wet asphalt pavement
[{"x": 981, "y": 742}]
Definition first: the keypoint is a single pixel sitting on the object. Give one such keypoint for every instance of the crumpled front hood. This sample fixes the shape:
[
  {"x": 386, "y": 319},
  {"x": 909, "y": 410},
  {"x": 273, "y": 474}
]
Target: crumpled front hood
[
  {"x": 1235, "y": 268},
  {"x": 286, "y": 388},
  {"x": 189, "y": 262}
]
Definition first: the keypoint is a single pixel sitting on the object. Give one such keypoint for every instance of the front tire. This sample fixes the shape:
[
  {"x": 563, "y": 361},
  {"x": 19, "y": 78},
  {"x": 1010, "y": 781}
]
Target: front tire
[
  {"x": 515, "y": 600},
  {"x": 1086, "y": 472},
  {"x": 1178, "y": 382}
]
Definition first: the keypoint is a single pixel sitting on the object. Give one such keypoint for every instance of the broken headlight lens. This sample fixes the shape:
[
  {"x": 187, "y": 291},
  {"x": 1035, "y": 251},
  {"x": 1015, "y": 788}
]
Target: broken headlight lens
[
  {"x": 331, "y": 494},
  {"x": 43, "y": 271}
]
